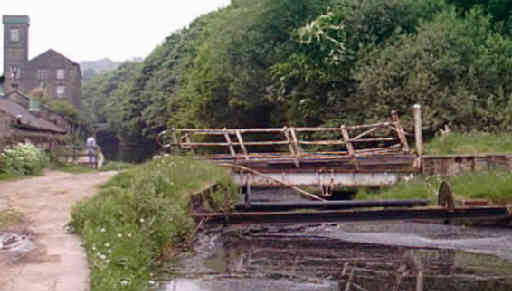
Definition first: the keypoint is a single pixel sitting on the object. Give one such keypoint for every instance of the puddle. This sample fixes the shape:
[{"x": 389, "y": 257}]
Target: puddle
[
  {"x": 320, "y": 258},
  {"x": 14, "y": 243}
]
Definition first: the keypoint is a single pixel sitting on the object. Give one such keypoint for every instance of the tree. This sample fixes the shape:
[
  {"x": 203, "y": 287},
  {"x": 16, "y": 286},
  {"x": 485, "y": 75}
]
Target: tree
[{"x": 458, "y": 69}]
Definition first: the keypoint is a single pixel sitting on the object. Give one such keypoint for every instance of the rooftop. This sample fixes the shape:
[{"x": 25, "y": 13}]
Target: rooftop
[
  {"x": 27, "y": 119},
  {"x": 16, "y": 19}
]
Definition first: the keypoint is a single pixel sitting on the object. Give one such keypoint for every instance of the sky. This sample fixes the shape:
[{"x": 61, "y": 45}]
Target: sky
[{"x": 86, "y": 30}]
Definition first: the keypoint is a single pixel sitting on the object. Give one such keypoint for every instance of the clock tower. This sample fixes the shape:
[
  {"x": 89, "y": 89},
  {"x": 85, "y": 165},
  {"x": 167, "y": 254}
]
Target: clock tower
[{"x": 15, "y": 50}]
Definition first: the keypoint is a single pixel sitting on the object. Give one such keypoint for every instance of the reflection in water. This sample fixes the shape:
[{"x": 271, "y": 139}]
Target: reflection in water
[
  {"x": 245, "y": 259},
  {"x": 230, "y": 284},
  {"x": 184, "y": 284}
]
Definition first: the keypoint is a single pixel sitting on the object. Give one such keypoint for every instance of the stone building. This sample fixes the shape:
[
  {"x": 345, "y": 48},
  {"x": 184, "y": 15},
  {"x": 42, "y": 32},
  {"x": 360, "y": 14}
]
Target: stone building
[
  {"x": 18, "y": 123},
  {"x": 59, "y": 77}
]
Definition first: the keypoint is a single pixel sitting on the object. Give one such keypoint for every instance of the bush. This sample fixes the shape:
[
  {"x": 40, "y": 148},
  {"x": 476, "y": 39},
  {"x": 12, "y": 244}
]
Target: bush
[{"x": 23, "y": 160}]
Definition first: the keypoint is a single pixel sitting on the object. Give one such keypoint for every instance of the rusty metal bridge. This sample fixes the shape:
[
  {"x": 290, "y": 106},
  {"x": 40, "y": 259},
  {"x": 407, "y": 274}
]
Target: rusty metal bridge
[
  {"x": 331, "y": 158},
  {"x": 347, "y": 156}
]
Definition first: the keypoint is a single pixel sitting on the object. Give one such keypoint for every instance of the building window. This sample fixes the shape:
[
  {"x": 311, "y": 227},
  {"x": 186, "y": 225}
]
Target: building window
[
  {"x": 60, "y": 74},
  {"x": 14, "y": 34},
  {"x": 14, "y": 72},
  {"x": 41, "y": 75},
  {"x": 61, "y": 91}
]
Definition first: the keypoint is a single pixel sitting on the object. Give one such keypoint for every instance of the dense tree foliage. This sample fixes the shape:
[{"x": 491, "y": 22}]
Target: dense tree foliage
[{"x": 261, "y": 63}]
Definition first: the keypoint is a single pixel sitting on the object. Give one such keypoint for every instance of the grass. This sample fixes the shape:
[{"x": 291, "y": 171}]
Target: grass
[
  {"x": 116, "y": 166},
  {"x": 72, "y": 168},
  {"x": 141, "y": 216},
  {"x": 82, "y": 169},
  {"x": 495, "y": 186},
  {"x": 7, "y": 177},
  {"x": 418, "y": 188},
  {"x": 469, "y": 143},
  {"x": 9, "y": 218}
]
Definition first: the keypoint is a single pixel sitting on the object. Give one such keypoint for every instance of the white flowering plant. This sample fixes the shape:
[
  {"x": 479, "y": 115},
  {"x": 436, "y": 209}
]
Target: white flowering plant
[
  {"x": 23, "y": 159},
  {"x": 141, "y": 217}
]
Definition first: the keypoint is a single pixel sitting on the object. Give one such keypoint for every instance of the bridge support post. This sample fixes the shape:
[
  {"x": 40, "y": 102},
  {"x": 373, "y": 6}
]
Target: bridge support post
[
  {"x": 248, "y": 191},
  {"x": 418, "y": 134}
]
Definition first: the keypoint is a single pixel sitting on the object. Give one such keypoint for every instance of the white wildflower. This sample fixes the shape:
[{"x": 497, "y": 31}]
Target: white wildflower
[
  {"x": 141, "y": 220},
  {"x": 129, "y": 234},
  {"x": 119, "y": 235},
  {"x": 124, "y": 282},
  {"x": 107, "y": 244},
  {"x": 102, "y": 256},
  {"x": 103, "y": 229}
]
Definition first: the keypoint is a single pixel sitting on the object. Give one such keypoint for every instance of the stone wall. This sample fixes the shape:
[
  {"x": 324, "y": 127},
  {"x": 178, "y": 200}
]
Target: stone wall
[{"x": 50, "y": 62}]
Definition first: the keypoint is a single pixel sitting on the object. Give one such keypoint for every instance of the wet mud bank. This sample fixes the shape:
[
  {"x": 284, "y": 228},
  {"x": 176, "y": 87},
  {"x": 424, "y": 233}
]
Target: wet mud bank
[{"x": 358, "y": 256}]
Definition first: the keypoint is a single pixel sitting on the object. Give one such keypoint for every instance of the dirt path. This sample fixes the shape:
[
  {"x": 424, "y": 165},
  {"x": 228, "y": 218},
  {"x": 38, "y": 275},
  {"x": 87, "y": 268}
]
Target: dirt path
[{"x": 57, "y": 262}]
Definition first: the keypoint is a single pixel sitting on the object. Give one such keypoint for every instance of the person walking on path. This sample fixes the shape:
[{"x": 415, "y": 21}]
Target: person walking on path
[{"x": 91, "y": 150}]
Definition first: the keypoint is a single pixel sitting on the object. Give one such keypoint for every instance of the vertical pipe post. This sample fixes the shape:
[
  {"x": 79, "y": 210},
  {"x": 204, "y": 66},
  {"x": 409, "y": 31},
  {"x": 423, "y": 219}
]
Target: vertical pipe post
[
  {"x": 229, "y": 142},
  {"x": 400, "y": 131},
  {"x": 248, "y": 190},
  {"x": 241, "y": 142},
  {"x": 416, "y": 108}
]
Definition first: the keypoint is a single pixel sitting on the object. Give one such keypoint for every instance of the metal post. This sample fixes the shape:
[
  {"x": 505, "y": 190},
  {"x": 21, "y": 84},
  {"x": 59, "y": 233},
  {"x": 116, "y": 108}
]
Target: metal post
[
  {"x": 248, "y": 191},
  {"x": 416, "y": 108}
]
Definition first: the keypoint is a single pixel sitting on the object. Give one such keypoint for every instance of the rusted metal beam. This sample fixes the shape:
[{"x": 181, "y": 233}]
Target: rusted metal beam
[
  {"x": 345, "y": 204},
  {"x": 333, "y": 216},
  {"x": 278, "y": 130},
  {"x": 378, "y": 125},
  {"x": 318, "y": 178}
]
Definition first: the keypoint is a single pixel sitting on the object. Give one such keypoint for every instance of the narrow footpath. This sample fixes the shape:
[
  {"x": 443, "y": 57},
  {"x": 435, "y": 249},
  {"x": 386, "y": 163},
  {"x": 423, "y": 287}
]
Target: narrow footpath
[{"x": 56, "y": 262}]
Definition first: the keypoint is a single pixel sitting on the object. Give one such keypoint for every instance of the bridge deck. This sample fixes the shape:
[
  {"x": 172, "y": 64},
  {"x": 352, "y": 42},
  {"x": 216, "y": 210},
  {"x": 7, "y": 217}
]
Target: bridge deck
[{"x": 390, "y": 163}]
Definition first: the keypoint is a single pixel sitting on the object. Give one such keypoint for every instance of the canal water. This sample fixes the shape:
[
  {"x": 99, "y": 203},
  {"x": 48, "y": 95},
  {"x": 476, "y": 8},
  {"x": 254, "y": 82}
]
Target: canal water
[{"x": 351, "y": 256}]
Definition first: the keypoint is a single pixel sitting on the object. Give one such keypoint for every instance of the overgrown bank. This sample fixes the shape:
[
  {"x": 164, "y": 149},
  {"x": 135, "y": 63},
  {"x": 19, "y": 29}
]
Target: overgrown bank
[
  {"x": 495, "y": 186},
  {"x": 470, "y": 144},
  {"x": 141, "y": 215}
]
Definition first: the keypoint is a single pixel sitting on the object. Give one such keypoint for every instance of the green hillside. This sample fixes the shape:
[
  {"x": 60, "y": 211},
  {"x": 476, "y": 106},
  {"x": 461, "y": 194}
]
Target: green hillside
[{"x": 262, "y": 63}]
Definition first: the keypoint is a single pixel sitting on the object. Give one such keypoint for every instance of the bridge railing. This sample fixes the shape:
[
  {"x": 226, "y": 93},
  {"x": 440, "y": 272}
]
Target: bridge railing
[{"x": 369, "y": 139}]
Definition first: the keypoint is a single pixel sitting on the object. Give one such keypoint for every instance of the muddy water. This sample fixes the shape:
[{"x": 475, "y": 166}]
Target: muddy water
[
  {"x": 319, "y": 257},
  {"x": 353, "y": 256}
]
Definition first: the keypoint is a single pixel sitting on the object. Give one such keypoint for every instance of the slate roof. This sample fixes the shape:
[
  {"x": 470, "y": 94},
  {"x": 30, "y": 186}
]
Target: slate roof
[
  {"x": 28, "y": 120},
  {"x": 16, "y": 19},
  {"x": 52, "y": 52}
]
